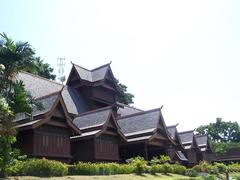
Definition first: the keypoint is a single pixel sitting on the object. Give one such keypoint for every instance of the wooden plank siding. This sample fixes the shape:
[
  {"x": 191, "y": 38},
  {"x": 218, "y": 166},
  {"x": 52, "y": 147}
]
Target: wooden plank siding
[
  {"x": 106, "y": 148},
  {"x": 25, "y": 141},
  {"x": 132, "y": 150},
  {"x": 51, "y": 144},
  {"x": 191, "y": 156},
  {"x": 103, "y": 148},
  {"x": 103, "y": 94},
  {"x": 83, "y": 150}
]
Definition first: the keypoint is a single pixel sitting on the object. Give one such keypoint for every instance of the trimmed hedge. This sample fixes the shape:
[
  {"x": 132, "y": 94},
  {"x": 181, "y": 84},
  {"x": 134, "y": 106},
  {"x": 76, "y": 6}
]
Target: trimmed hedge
[
  {"x": 234, "y": 167},
  {"x": 191, "y": 172},
  {"x": 178, "y": 169},
  {"x": 39, "y": 167},
  {"x": 212, "y": 169},
  {"x": 49, "y": 168},
  {"x": 83, "y": 168}
]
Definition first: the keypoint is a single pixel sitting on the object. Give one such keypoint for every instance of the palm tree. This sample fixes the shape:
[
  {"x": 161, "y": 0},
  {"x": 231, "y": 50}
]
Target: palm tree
[{"x": 14, "y": 57}]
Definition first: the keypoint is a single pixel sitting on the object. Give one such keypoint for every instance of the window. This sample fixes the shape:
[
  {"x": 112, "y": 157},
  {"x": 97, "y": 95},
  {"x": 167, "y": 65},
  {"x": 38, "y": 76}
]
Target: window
[
  {"x": 59, "y": 141},
  {"x": 45, "y": 140}
]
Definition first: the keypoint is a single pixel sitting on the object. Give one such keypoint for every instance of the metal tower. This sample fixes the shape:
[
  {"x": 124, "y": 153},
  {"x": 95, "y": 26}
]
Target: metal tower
[{"x": 61, "y": 66}]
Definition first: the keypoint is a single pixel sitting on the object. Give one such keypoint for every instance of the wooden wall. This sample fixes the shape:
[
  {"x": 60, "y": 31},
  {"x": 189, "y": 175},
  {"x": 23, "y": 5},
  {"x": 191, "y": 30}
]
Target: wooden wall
[
  {"x": 133, "y": 150},
  {"x": 192, "y": 156},
  {"x": 107, "y": 148},
  {"x": 103, "y": 148},
  {"x": 103, "y": 94},
  {"x": 171, "y": 151},
  {"x": 50, "y": 141},
  {"x": 83, "y": 150},
  {"x": 25, "y": 141}
]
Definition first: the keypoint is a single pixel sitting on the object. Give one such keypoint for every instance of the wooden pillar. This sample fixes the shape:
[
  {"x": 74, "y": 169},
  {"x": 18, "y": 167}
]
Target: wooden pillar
[{"x": 146, "y": 151}]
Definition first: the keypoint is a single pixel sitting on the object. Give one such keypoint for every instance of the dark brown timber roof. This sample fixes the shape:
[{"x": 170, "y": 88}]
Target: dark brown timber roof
[
  {"x": 47, "y": 102},
  {"x": 94, "y": 123},
  {"x": 202, "y": 142},
  {"x": 188, "y": 140},
  {"x": 40, "y": 87},
  {"x": 40, "y": 117},
  {"x": 172, "y": 131},
  {"x": 143, "y": 126},
  {"x": 93, "y": 75},
  {"x": 74, "y": 101},
  {"x": 125, "y": 110},
  {"x": 92, "y": 118}
]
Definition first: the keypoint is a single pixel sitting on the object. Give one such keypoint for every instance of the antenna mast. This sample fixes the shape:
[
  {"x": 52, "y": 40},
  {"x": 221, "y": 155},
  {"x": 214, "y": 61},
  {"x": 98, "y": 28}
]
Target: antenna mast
[{"x": 61, "y": 66}]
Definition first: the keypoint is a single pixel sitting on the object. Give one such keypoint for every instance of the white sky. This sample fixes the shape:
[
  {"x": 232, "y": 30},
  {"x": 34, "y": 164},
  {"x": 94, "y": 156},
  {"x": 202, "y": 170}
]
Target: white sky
[{"x": 180, "y": 54}]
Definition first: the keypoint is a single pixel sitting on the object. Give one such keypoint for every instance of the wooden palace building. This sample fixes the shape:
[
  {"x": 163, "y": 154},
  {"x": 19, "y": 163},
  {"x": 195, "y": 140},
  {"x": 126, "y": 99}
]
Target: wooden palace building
[
  {"x": 146, "y": 134},
  {"x": 100, "y": 136},
  {"x": 204, "y": 146},
  {"x": 82, "y": 121},
  {"x": 47, "y": 132},
  {"x": 191, "y": 149},
  {"x": 176, "y": 153}
]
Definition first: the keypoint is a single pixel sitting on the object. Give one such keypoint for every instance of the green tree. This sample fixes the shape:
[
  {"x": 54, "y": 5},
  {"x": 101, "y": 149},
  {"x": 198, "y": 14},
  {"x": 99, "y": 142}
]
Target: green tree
[
  {"x": 221, "y": 131},
  {"x": 41, "y": 69},
  {"x": 126, "y": 97},
  {"x": 14, "y": 57},
  {"x": 223, "y": 135}
]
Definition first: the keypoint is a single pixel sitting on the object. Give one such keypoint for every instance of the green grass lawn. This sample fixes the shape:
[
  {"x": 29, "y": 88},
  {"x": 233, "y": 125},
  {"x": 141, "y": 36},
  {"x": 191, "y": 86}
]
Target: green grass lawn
[{"x": 112, "y": 177}]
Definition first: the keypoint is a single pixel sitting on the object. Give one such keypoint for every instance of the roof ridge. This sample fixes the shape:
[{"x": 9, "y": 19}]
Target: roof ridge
[
  {"x": 183, "y": 132},
  {"x": 93, "y": 111},
  {"x": 40, "y": 77},
  {"x": 108, "y": 64},
  {"x": 48, "y": 95},
  {"x": 80, "y": 67},
  {"x": 173, "y": 126},
  {"x": 130, "y": 106},
  {"x": 200, "y": 135},
  {"x": 91, "y": 69},
  {"x": 139, "y": 113}
]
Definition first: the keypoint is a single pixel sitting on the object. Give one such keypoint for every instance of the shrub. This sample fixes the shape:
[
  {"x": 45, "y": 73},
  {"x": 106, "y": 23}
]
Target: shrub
[
  {"x": 164, "y": 159},
  {"x": 205, "y": 166},
  {"x": 139, "y": 165},
  {"x": 178, "y": 169},
  {"x": 83, "y": 168},
  {"x": 16, "y": 169},
  {"x": 167, "y": 168},
  {"x": 222, "y": 168},
  {"x": 210, "y": 177},
  {"x": 236, "y": 176},
  {"x": 43, "y": 168},
  {"x": 6, "y": 150},
  {"x": 191, "y": 172},
  {"x": 197, "y": 168},
  {"x": 125, "y": 169},
  {"x": 153, "y": 169},
  {"x": 213, "y": 170},
  {"x": 235, "y": 167},
  {"x": 154, "y": 161}
]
